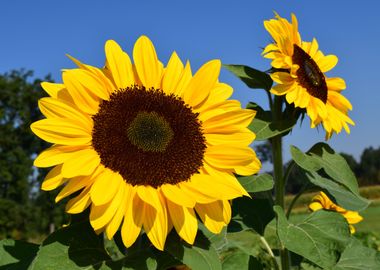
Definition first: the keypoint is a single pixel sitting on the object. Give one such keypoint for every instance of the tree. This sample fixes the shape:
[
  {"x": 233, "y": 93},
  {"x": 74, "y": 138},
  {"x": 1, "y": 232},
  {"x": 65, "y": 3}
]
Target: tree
[
  {"x": 19, "y": 180},
  {"x": 370, "y": 166}
]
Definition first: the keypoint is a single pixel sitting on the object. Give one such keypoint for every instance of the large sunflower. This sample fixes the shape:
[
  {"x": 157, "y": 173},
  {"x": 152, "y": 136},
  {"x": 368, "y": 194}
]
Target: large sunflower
[
  {"x": 302, "y": 76},
  {"x": 145, "y": 146},
  {"x": 322, "y": 201}
]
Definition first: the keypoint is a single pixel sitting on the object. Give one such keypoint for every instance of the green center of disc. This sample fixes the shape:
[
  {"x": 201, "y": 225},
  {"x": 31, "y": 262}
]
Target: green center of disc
[{"x": 150, "y": 132}]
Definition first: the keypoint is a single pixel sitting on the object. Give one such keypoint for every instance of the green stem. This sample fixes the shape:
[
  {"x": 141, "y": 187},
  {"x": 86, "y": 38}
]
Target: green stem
[
  {"x": 278, "y": 173},
  {"x": 270, "y": 100}
]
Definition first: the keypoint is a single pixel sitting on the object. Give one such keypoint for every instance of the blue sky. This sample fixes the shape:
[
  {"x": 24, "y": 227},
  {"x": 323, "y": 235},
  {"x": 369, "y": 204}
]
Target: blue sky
[{"x": 37, "y": 34}]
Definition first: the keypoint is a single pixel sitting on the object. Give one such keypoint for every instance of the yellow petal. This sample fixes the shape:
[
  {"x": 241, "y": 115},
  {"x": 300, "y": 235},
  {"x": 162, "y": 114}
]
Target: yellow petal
[
  {"x": 183, "y": 81},
  {"x": 175, "y": 194},
  {"x": 172, "y": 74},
  {"x": 327, "y": 63},
  {"x": 314, "y": 206},
  {"x": 352, "y": 217},
  {"x": 62, "y": 131},
  {"x": 133, "y": 219},
  {"x": 105, "y": 187},
  {"x": 84, "y": 162},
  {"x": 147, "y": 64},
  {"x": 201, "y": 84},
  {"x": 83, "y": 98},
  {"x": 228, "y": 156},
  {"x": 79, "y": 203},
  {"x": 114, "y": 224},
  {"x": 222, "y": 188},
  {"x": 184, "y": 220},
  {"x": 226, "y": 185},
  {"x": 56, "y": 154},
  {"x": 53, "y": 179},
  {"x": 101, "y": 215},
  {"x": 150, "y": 196},
  {"x": 211, "y": 215},
  {"x": 226, "y": 211},
  {"x": 223, "y": 121},
  {"x": 220, "y": 93},
  {"x": 243, "y": 138},
  {"x": 335, "y": 84},
  {"x": 282, "y": 78},
  {"x": 74, "y": 185},
  {"x": 156, "y": 225},
  {"x": 52, "y": 88},
  {"x": 54, "y": 108},
  {"x": 119, "y": 64},
  {"x": 250, "y": 169}
]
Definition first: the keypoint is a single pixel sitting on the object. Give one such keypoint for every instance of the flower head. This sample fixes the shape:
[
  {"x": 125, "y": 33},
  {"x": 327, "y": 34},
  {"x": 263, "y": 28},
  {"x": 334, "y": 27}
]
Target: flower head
[
  {"x": 300, "y": 69},
  {"x": 321, "y": 201},
  {"x": 145, "y": 146}
]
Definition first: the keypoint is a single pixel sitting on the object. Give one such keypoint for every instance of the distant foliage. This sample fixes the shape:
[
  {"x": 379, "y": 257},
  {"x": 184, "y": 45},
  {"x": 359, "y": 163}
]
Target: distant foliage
[{"x": 20, "y": 199}]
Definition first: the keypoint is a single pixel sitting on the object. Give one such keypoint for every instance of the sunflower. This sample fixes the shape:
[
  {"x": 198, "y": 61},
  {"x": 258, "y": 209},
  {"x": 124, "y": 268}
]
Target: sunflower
[
  {"x": 300, "y": 76},
  {"x": 145, "y": 147},
  {"x": 321, "y": 201}
]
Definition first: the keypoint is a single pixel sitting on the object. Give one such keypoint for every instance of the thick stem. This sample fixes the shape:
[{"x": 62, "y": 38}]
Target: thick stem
[{"x": 278, "y": 173}]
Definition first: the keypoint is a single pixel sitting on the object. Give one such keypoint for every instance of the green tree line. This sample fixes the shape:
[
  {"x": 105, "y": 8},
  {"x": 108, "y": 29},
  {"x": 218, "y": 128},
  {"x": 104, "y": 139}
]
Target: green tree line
[{"x": 26, "y": 212}]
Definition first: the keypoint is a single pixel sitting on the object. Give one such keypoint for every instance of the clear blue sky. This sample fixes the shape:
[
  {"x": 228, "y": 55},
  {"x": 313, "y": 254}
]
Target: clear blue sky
[{"x": 37, "y": 34}]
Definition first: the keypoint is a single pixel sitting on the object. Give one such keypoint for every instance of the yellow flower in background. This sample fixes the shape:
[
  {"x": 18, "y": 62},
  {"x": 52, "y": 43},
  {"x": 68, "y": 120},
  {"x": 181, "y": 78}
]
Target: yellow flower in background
[
  {"x": 145, "y": 146},
  {"x": 302, "y": 77},
  {"x": 321, "y": 201}
]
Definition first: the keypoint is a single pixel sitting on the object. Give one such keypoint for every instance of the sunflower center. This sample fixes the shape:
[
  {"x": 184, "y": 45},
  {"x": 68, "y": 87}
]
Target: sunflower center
[
  {"x": 150, "y": 132},
  {"x": 309, "y": 74},
  {"x": 148, "y": 137}
]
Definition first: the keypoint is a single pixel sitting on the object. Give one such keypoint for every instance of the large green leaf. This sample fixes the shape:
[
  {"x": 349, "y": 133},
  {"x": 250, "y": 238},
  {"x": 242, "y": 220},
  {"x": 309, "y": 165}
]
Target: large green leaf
[
  {"x": 240, "y": 260},
  {"x": 73, "y": 247},
  {"x": 319, "y": 237},
  {"x": 248, "y": 213},
  {"x": 357, "y": 257},
  {"x": 16, "y": 255},
  {"x": 253, "y": 78},
  {"x": 342, "y": 185},
  {"x": 257, "y": 183},
  {"x": 247, "y": 241},
  {"x": 202, "y": 255},
  {"x": 265, "y": 127},
  {"x": 340, "y": 193},
  {"x": 218, "y": 241}
]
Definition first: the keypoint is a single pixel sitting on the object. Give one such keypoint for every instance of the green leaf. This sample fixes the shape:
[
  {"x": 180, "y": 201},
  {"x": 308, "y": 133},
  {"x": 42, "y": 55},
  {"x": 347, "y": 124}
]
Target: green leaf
[
  {"x": 318, "y": 238},
  {"x": 335, "y": 166},
  {"x": 202, "y": 255},
  {"x": 265, "y": 127},
  {"x": 305, "y": 161},
  {"x": 241, "y": 260},
  {"x": 358, "y": 257},
  {"x": 257, "y": 183},
  {"x": 16, "y": 255},
  {"x": 343, "y": 185},
  {"x": 343, "y": 197},
  {"x": 253, "y": 78},
  {"x": 247, "y": 241},
  {"x": 249, "y": 213},
  {"x": 218, "y": 241},
  {"x": 73, "y": 247}
]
